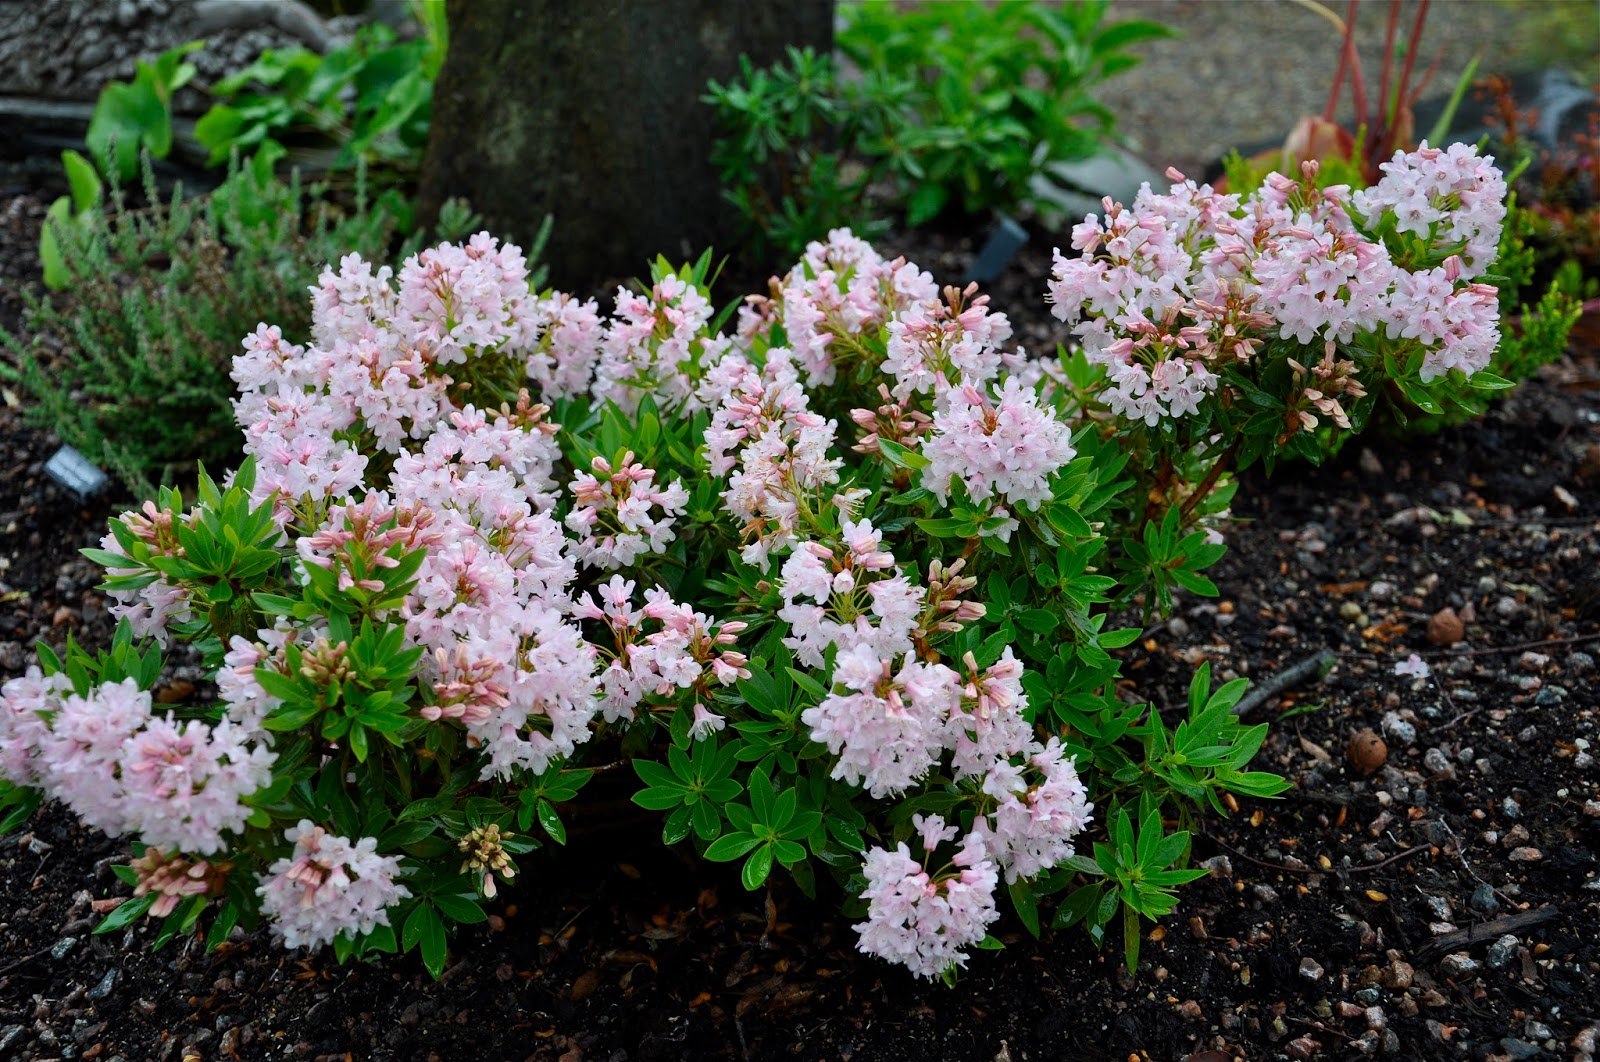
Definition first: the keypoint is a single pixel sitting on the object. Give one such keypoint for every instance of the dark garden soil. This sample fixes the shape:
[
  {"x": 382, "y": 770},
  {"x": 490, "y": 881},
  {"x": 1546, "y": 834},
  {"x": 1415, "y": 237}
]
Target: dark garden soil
[{"x": 1445, "y": 906}]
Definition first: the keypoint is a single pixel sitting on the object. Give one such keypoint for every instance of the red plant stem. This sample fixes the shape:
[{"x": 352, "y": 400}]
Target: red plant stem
[
  {"x": 1358, "y": 82},
  {"x": 1413, "y": 46},
  {"x": 1388, "y": 63},
  {"x": 1338, "y": 75}
]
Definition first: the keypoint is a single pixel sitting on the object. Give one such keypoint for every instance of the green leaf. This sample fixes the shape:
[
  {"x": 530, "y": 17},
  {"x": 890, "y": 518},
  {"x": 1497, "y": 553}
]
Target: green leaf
[
  {"x": 126, "y": 913},
  {"x": 730, "y": 846},
  {"x": 1026, "y": 906},
  {"x": 82, "y": 180},
  {"x": 757, "y": 868},
  {"x": 463, "y": 909},
  {"x": 551, "y": 821}
]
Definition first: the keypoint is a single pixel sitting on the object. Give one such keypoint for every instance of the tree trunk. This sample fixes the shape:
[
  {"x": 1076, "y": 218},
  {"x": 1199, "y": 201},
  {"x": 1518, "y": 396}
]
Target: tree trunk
[{"x": 590, "y": 111}]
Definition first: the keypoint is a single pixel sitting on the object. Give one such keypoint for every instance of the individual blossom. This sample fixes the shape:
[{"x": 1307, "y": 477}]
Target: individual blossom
[
  {"x": 329, "y": 886},
  {"x": 1008, "y": 447},
  {"x": 886, "y": 726},
  {"x": 924, "y": 920},
  {"x": 613, "y": 516},
  {"x": 1413, "y": 666}
]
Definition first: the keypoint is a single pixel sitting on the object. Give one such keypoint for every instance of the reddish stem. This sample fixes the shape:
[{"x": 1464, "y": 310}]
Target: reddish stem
[
  {"x": 1358, "y": 82},
  {"x": 1388, "y": 60},
  {"x": 1413, "y": 46},
  {"x": 1338, "y": 77}
]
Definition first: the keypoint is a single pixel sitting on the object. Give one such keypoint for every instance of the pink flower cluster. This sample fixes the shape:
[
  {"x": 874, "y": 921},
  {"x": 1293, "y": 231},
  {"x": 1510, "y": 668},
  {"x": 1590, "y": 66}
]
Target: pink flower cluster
[
  {"x": 122, "y": 768},
  {"x": 940, "y": 342},
  {"x": 683, "y": 653},
  {"x": 1168, "y": 293},
  {"x": 849, "y": 597},
  {"x": 1006, "y": 447},
  {"x": 782, "y": 464},
  {"x": 612, "y": 513},
  {"x": 924, "y": 920},
  {"x": 656, "y": 345},
  {"x": 840, "y": 290},
  {"x": 328, "y": 886},
  {"x": 889, "y": 726},
  {"x": 152, "y": 607}
]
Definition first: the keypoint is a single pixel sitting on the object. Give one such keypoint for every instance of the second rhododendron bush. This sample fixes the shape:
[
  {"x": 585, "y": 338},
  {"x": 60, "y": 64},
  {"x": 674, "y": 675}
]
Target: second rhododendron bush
[{"x": 835, "y": 575}]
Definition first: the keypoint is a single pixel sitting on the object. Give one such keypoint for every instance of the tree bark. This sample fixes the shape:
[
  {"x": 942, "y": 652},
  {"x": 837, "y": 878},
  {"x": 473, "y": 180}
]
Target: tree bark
[{"x": 590, "y": 111}]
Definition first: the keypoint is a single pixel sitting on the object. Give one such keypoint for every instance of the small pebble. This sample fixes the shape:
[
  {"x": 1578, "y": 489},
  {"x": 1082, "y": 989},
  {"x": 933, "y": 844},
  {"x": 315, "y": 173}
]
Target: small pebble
[
  {"x": 1526, "y": 855},
  {"x": 1398, "y": 729},
  {"x": 1438, "y": 763},
  {"x": 107, "y": 985},
  {"x": 1310, "y": 969},
  {"x": 1503, "y": 952},
  {"x": 1458, "y": 964},
  {"x": 63, "y": 947}
]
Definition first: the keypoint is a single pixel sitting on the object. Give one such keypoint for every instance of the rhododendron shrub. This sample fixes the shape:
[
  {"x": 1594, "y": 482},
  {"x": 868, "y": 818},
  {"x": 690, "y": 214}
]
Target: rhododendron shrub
[
  {"x": 1215, "y": 331},
  {"x": 831, "y": 571}
]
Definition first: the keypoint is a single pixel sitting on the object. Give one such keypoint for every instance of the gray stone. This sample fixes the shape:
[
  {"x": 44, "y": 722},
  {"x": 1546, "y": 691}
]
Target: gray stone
[
  {"x": 1310, "y": 969},
  {"x": 1458, "y": 964},
  {"x": 1518, "y": 1049},
  {"x": 1398, "y": 730},
  {"x": 107, "y": 985},
  {"x": 1503, "y": 952},
  {"x": 1437, "y": 762},
  {"x": 63, "y": 947}
]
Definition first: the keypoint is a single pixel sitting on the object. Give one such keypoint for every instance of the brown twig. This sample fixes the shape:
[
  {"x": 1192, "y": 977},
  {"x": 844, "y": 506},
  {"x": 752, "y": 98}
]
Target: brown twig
[
  {"x": 1361, "y": 869},
  {"x": 1283, "y": 680},
  {"x": 1491, "y": 650},
  {"x": 1496, "y": 927},
  {"x": 1218, "y": 466}
]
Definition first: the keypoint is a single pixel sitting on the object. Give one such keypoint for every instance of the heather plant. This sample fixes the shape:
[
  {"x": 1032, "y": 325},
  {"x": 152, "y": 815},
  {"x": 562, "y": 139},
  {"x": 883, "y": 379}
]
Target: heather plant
[
  {"x": 831, "y": 573},
  {"x": 129, "y": 364}
]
